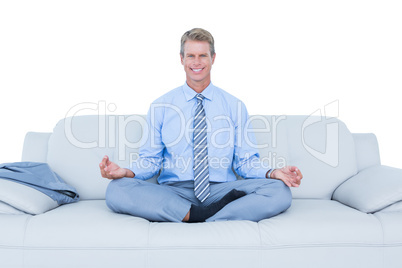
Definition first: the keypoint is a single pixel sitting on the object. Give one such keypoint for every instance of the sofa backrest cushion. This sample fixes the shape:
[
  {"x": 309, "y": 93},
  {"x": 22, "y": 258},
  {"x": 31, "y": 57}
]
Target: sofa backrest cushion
[
  {"x": 78, "y": 144},
  {"x": 322, "y": 148}
]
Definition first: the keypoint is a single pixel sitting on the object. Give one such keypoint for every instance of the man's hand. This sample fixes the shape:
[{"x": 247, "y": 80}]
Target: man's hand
[
  {"x": 290, "y": 175},
  {"x": 112, "y": 171}
]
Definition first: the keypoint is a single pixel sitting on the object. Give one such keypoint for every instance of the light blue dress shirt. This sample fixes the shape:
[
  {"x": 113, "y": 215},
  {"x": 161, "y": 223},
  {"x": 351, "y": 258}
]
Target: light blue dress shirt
[{"x": 169, "y": 138}]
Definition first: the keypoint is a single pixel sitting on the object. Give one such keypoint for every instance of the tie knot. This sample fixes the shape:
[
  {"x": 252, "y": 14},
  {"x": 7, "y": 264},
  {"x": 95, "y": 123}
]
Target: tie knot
[{"x": 200, "y": 98}]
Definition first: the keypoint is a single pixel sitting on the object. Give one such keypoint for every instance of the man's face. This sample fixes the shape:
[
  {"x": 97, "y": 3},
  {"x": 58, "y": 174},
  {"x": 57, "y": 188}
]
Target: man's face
[{"x": 197, "y": 62}]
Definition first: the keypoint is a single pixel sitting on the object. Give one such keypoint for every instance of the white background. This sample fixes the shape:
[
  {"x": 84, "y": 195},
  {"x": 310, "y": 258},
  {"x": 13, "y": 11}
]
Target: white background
[{"x": 279, "y": 57}]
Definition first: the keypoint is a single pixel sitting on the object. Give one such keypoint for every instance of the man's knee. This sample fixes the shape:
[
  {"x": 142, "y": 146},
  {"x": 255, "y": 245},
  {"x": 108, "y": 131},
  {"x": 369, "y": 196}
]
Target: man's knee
[
  {"x": 286, "y": 196},
  {"x": 116, "y": 192},
  {"x": 279, "y": 191},
  {"x": 112, "y": 195}
]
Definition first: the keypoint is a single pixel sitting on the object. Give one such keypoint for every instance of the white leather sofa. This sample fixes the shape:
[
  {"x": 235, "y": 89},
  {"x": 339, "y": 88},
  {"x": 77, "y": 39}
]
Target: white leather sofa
[{"x": 346, "y": 213}]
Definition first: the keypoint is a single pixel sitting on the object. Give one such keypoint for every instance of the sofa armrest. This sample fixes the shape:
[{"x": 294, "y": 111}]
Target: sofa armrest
[
  {"x": 35, "y": 147},
  {"x": 372, "y": 189},
  {"x": 7, "y": 209},
  {"x": 367, "y": 152},
  {"x": 396, "y": 207}
]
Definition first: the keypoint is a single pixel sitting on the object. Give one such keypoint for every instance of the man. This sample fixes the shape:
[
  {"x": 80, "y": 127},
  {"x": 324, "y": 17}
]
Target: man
[{"x": 197, "y": 182}]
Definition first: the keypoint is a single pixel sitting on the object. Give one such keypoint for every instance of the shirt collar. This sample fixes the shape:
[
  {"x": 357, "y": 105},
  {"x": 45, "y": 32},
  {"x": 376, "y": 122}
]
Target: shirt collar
[{"x": 189, "y": 93}]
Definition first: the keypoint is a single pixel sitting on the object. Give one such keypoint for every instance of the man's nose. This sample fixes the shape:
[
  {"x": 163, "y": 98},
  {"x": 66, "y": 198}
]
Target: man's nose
[{"x": 197, "y": 60}]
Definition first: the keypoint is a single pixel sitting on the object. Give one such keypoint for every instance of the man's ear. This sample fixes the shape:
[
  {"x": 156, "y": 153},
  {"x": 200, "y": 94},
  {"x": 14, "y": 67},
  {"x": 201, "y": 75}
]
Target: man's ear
[
  {"x": 181, "y": 59},
  {"x": 213, "y": 58}
]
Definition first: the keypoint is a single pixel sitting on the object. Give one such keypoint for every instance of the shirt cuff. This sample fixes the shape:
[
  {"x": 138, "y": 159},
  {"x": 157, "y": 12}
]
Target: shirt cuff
[
  {"x": 262, "y": 173},
  {"x": 259, "y": 173},
  {"x": 137, "y": 172}
]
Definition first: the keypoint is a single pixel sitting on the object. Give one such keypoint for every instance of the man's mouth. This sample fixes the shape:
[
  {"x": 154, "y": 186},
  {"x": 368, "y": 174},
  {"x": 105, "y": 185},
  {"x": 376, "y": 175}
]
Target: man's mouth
[{"x": 196, "y": 70}]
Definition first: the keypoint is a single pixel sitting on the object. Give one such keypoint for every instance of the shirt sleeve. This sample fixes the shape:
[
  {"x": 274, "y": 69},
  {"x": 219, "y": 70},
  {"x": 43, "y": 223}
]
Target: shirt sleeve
[
  {"x": 150, "y": 157},
  {"x": 247, "y": 162}
]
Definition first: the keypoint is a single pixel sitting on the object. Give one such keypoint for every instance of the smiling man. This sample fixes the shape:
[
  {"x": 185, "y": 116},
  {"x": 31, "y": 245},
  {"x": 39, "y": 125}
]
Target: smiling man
[
  {"x": 197, "y": 61},
  {"x": 206, "y": 188}
]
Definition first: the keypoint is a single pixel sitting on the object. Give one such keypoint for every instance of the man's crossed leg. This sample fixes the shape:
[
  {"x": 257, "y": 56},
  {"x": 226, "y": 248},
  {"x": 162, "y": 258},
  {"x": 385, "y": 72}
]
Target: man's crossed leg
[{"x": 254, "y": 199}]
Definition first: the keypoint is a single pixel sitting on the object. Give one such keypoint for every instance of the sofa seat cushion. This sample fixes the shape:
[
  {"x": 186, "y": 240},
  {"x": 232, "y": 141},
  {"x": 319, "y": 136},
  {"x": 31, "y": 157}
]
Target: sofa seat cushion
[
  {"x": 310, "y": 222},
  {"x": 90, "y": 224},
  {"x": 391, "y": 224},
  {"x": 12, "y": 239},
  {"x": 86, "y": 225},
  {"x": 12, "y": 230},
  {"x": 90, "y": 232},
  {"x": 305, "y": 223}
]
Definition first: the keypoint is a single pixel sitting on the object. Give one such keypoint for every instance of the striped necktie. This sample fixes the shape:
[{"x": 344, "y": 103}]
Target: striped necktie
[{"x": 201, "y": 171}]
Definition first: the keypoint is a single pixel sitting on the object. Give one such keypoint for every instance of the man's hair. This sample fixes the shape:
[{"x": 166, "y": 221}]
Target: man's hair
[{"x": 198, "y": 34}]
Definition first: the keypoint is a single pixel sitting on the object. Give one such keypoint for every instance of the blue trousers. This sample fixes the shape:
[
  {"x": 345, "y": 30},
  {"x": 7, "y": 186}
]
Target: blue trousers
[{"x": 170, "y": 202}]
